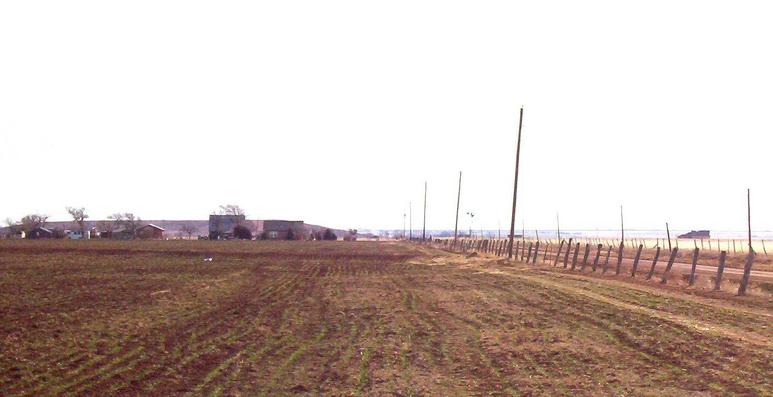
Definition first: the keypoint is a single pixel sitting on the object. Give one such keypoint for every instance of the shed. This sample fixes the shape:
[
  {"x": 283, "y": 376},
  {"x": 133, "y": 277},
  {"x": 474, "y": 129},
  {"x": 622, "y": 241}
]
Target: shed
[{"x": 150, "y": 231}]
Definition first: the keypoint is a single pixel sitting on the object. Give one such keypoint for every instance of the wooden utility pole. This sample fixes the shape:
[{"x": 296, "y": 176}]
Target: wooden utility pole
[
  {"x": 424, "y": 223},
  {"x": 668, "y": 234},
  {"x": 515, "y": 187},
  {"x": 458, "y": 197},
  {"x": 410, "y": 220},
  {"x": 622, "y": 227},
  {"x": 403, "y": 224},
  {"x": 558, "y": 227},
  {"x": 747, "y": 269}
]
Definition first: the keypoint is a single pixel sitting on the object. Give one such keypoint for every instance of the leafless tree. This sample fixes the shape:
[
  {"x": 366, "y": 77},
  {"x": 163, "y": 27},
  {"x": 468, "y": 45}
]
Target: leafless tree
[
  {"x": 13, "y": 226},
  {"x": 128, "y": 221},
  {"x": 188, "y": 229},
  {"x": 32, "y": 221},
  {"x": 79, "y": 215},
  {"x": 231, "y": 209},
  {"x": 106, "y": 226}
]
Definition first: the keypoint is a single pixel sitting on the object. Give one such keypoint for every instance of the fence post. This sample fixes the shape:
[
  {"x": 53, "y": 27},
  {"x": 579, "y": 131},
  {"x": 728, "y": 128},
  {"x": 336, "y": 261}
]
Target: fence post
[
  {"x": 747, "y": 270},
  {"x": 528, "y": 257},
  {"x": 545, "y": 257},
  {"x": 536, "y": 253},
  {"x": 598, "y": 254},
  {"x": 620, "y": 253},
  {"x": 694, "y": 266},
  {"x": 558, "y": 253},
  {"x": 720, "y": 269},
  {"x": 574, "y": 258},
  {"x": 654, "y": 262},
  {"x": 585, "y": 257},
  {"x": 568, "y": 251},
  {"x": 606, "y": 261},
  {"x": 671, "y": 260},
  {"x": 636, "y": 260}
]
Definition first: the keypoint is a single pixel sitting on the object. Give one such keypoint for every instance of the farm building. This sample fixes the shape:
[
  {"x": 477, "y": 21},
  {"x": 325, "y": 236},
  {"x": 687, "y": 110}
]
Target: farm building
[
  {"x": 40, "y": 233},
  {"x": 280, "y": 230},
  {"x": 150, "y": 232},
  {"x": 222, "y": 226}
]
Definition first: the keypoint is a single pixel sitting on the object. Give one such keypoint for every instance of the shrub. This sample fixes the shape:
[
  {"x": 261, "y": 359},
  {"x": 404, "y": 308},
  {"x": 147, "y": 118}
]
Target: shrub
[
  {"x": 242, "y": 233},
  {"x": 329, "y": 235}
]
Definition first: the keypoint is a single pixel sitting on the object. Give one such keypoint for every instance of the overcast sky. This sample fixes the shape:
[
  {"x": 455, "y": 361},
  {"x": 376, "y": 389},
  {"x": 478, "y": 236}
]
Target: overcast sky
[{"x": 336, "y": 112}]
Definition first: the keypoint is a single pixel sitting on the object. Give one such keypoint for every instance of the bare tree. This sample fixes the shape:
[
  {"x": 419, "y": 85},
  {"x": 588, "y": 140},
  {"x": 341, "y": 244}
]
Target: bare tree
[
  {"x": 188, "y": 229},
  {"x": 79, "y": 215},
  {"x": 231, "y": 209},
  {"x": 33, "y": 221},
  {"x": 13, "y": 226},
  {"x": 128, "y": 221},
  {"x": 106, "y": 226}
]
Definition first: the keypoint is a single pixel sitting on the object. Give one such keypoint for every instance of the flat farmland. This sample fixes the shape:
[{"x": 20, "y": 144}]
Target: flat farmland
[{"x": 356, "y": 318}]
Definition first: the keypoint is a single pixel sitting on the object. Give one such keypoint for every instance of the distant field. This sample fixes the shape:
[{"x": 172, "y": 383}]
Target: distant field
[{"x": 364, "y": 318}]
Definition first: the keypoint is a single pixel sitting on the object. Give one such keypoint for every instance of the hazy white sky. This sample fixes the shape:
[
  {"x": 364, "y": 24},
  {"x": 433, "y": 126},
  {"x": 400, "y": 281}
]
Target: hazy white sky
[{"x": 336, "y": 112}]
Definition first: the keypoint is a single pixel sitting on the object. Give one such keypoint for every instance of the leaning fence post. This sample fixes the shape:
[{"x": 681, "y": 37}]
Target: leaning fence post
[
  {"x": 694, "y": 266},
  {"x": 568, "y": 251},
  {"x": 545, "y": 257},
  {"x": 598, "y": 254},
  {"x": 620, "y": 257},
  {"x": 574, "y": 258},
  {"x": 747, "y": 270},
  {"x": 654, "y": 262},
  {"x": 585, "y": 257},
  {"x": 606, "y": 261},
  {"x": 636, "y": 260},
  {"x": 558, "y": 253},
  {"x": 670, "y": 263},
  {"x": 720, "y": 269}
]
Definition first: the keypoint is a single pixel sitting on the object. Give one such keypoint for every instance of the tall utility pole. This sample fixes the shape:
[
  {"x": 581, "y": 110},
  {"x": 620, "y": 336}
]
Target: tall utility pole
[
  {"x": 622, "y": 228},
  {"x": 424, "y": 224},
  {"x": 749, "y": 214},
  {"x": 458, "y": 197},
  {"x": 558, "y": 227},
  {"x": 747, "y": 268},
  {"x": 410, "y": 220},
  {"x": 515, "y": 187},
  {"x": 403, "y": 225}
]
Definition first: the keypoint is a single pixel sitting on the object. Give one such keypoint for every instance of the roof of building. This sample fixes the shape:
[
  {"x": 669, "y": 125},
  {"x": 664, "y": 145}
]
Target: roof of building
[{"x": 152, "y": 226}]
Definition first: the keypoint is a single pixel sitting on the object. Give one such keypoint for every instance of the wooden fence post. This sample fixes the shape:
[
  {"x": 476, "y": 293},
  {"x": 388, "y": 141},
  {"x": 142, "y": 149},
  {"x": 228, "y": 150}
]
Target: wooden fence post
[
  {"x": 606, "y": 261},
  {"x": 545, "y": 257},
  {"x": 694, "y": 266},
  {"x": 528, "y": 257},
  {"x": 536, "y": 253},
  {"x": 720, "y": 269},
  {"x": 747, "y": 270},
  {"x": 585, "y": 257},
  {"x": 568, "y": 251},
  {"x": 636, "y": 260},
  {"x": 558, "y": 253},
  {"x": 598, "y": 254},
  {"x": 574, "y": 258},
  {"x": 620, "y": 253},
  {"x": 654, "y": 262},
  {"x": 671, "y": 260}
]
